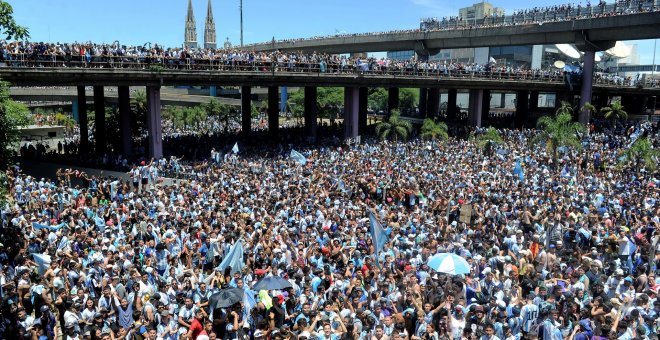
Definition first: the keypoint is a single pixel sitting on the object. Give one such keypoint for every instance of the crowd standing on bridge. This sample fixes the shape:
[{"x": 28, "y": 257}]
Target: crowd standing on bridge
[
  {"x": 561, "y": 248},
  {"x": 532, "y": 16}
]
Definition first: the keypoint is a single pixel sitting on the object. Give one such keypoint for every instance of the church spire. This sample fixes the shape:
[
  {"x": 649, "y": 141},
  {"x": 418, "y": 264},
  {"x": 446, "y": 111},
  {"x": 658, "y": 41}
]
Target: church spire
[
  {"x": 209, "y": 28},
  {"x": 190, "y": 40}
]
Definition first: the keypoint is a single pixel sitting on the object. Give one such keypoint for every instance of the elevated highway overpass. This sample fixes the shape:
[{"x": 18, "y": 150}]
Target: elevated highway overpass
[
  {"x": 526, "y": 85},
  {"x": 595, "y": 33}
]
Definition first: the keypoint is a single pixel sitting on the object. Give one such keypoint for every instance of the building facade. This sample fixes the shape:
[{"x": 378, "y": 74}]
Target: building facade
[{"x": 479, "y": 11}]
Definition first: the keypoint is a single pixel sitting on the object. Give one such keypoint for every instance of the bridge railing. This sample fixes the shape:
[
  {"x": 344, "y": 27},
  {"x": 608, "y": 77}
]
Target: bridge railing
[{"x": 157, "y": 63}]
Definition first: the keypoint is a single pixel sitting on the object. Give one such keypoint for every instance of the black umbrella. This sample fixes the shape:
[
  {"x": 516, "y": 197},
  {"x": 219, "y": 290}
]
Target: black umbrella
[
  {"x": 272, "y": 283},
  {"x": 226, "y": 298}
]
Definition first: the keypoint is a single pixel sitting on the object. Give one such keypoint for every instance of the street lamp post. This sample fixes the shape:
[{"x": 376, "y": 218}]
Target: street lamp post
[{"x": 241, "y": 10}]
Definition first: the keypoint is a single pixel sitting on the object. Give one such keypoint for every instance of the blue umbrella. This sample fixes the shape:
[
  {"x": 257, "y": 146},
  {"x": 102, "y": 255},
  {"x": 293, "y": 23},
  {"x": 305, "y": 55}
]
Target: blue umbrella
[
  {"x": 449, "y": 263},
  {"x": 272, "y": 283}
]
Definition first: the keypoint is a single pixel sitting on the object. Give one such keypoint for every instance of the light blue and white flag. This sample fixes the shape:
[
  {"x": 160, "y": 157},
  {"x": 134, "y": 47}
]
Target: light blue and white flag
[
  {"x": 298, "y": 157},
  {"x": 234, "y": 258},
  {"x": 38, "y": 226},
  {"x": 378, "y": 235},
  {"x": 518, "y": 171},
  {"x": 235, "y": 148},
  {"x": 248, "y": 303},
  {"x": 42, "y": 261}
]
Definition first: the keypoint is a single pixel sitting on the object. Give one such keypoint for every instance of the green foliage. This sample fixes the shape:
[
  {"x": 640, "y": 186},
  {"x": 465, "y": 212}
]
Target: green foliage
[
  {"x": 225, "y": 113},
  {"x": 8, "y": 26},
  {"x": 560, "y": 130},
  {"x": 329, "y": 100},
  {"x": 18, "y": 113},
  {"x": 186, "y": 117},
  {"x": 394, "y": 127},
  {"x": 254, "y": 111},
  {"x": 65, "y": 120},
  {"x": 487, "y": 140},
  {"x": 156, "y": 68},
  {"x": 432, "y": 130},
  {"x": 408, "y": 98},
  {"x": 378, "y": 97},
  {"x": 12, "y": 116},
  {"x": 615, "y": 111},
  {"x": 589, "y": 107},
  {"x": 642, "y": 155}
]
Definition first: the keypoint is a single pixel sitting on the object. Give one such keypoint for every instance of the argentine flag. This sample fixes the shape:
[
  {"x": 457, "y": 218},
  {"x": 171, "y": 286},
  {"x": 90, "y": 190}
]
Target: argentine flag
[{"x": 298, "y": 157}]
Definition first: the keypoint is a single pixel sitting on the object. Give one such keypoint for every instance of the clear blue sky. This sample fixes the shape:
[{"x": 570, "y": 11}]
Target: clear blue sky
[{"x": 135, "y": 22}]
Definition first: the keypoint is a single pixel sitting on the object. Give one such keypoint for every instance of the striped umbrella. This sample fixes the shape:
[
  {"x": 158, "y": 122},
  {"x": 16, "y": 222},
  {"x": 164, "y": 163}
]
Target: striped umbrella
[{"x": 449, "y": 263}]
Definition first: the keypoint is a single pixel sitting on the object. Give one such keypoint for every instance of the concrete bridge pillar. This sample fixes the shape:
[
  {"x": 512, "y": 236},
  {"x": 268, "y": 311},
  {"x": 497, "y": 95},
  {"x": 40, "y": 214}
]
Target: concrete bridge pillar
[
  {"x": 522, "y": 108},
  {"x": 351, "y": 111},
  {"x": 75, "y": 112},
  {"x": 423, "y": 102},
  {"x": 451, "y": 104},
  {"x": 363, "y": 109},
  {"x": 587, "y": 80},
  {"x": 82, "y": 120},
  {"x": 485, "y": 107},
  {"x": 154, "y": 124},
  {"x": 310, "y": 113},
  {"x": 273, "y": 111},
  {"x": 476, "y": 107},
  {"x": 123, "y": 93},
  {"x": 246, "y": 110},
  {"x": 433, "y": 102},
  {"x": 534, "y": 101},
  {"x": 99, "y": 121},
  {"x": 392, "y": 99}
]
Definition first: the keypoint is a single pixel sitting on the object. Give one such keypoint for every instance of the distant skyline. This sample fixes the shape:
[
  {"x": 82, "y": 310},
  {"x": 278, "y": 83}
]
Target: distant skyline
[{"x": 136, "y": 22}]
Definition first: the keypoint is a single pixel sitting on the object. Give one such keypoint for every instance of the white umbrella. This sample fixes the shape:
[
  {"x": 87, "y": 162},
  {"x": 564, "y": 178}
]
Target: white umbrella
[{"x": 449, "y": 263}]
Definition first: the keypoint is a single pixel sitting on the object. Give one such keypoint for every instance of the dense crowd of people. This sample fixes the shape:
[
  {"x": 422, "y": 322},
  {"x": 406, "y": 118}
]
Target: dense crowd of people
[
  {"x": 558, "y": 247},
  {"x": 20, "y": 54},
  {"x": 530, "y": 16}
]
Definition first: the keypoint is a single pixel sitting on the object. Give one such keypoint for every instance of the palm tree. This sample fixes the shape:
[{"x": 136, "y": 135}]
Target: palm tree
[
  {"x": 641, "y": 151},
  {"x": 614, "y": 112},
  {"x": 588, "y": 109},
  {"x": 560, "y": 130},
  {"x": 487, "y": 140},
  {"x": 434, "y": 130},
  {"x": 394, "y": 127}
]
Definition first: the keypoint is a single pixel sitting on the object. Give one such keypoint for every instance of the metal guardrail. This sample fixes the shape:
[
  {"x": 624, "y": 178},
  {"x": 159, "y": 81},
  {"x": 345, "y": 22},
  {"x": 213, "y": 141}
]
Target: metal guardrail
[{"x": 158, "y": 63}]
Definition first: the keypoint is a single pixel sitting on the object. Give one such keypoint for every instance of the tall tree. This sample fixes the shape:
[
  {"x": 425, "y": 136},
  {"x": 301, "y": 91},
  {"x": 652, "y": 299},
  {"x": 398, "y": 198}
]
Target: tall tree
[
  {"x": 12, "y": 116},
  {"x": 394, "y": 127},
  {"x": 408, "y": 98},
  {"x": 614, "y": 112},
  {"x": 378, "y": 99},
  {"x": 560, "y": 130}
]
